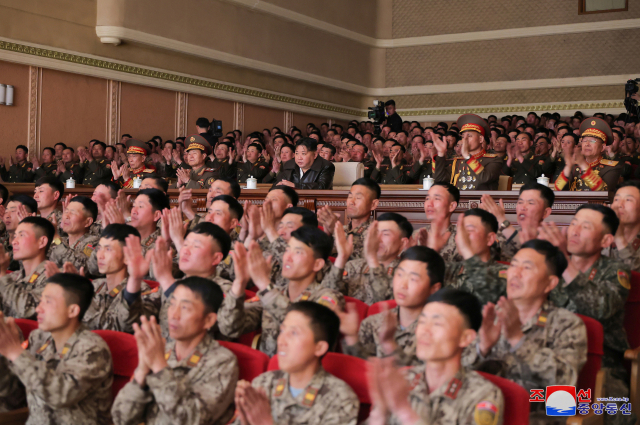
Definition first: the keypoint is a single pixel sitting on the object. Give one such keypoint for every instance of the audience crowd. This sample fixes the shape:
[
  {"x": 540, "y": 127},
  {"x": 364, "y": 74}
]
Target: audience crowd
[{"x": 455, "y": 298}]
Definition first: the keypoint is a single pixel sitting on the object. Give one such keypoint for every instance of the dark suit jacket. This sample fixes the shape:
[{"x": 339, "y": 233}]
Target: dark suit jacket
[{"x": 319, "y": 176}]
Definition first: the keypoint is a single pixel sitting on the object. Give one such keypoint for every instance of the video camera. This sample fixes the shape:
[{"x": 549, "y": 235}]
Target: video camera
[
  {"x": 377, "y": 114},
  {"x": 216, "y": 128},
  {"x": 631, "y": 104}
]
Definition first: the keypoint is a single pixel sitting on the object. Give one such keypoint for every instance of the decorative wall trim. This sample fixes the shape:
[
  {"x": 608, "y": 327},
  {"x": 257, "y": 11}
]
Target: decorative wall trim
[
  {"x": 35, "y": 87},
  {"x": 300, "y": 18},
  {"x": 238, "y": 116},
  {"x": 113, "y": 112},
  {"x": 182, "y": 100},
  {"x": 288, "y": 120},
  {"x": 110, "y": 69}
]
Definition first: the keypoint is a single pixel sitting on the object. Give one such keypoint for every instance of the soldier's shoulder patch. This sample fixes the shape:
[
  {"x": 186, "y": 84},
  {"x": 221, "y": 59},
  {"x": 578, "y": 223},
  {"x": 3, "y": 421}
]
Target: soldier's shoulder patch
[
  {"x": 151, "y": 291},
  {"x": 88, "y": 250},
  {"x": 327, "y": 301},
  {"x": 25, "y": 344},
  {"x": 609, "y": 162},
  {"x": 486, "y": 413},
  {"x": 253, "y": 299},
  {"x": 345, "y": 273},
  {"x": 227, "y": 260},
  {"x": 623, "y": 279},
  {"x": 502, "y": 274}
]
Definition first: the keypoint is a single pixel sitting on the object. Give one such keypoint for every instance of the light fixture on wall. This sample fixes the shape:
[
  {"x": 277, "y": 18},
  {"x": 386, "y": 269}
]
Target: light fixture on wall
[{"x": 6, "y": 94}]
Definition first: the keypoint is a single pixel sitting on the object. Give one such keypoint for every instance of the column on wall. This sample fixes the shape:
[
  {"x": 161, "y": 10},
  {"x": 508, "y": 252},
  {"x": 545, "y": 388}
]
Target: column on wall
[
  {"x": 238, "y": 116},
  {"x": 35, "y": 108},
  {"x": 113, "y": 112},
  {"x": 182, "y": 101}
]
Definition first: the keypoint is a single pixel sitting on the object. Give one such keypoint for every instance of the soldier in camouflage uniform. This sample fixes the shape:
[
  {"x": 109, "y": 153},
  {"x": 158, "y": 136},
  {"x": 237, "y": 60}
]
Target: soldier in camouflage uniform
[
  {"x": 21, "y": 290},
  {"x": 199, "y": 256},
  {"x": 172, "y": 386},
  {"x": 18, "y": 207},
  {"x": 48, "y": 193},
  {"x": 627, "y": 237},
  {"x": 369, "y": 279},
  {"x": 362, "y": 200},
  {"x": 67, "y": 381},
  {"x": 12, "y": 394},
  {"x": 19, "y": 172},
  {"x": 440, "y": 203},
  {"x": 597, "y": 287},
  {"x": 309, "y": 250},
  {"x": 449, "y": 321},
  {"x": 478, "y": 273},
  {"x": 393, "y": 332},
  {"x": 532, "y": 342},
  {"x": 77, "y": 247},
  {"x": 323, "y": 400},
  {"x": 117, "y": 302},
  {"x": 533, "y": 206}
]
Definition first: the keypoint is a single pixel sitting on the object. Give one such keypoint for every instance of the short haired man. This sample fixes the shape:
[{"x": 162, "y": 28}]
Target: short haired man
[
  {"x": 18, "y": 207},
  {"x": 476, "y": 169},
  {"x": 77, "y": 247},
  {"x": 363, "y": 198},
  {"x": 397, "y": 172},
  {"x": 301, "y": 391},
  {"x": 137, "y": 152},
  {"x": 479, "y": 273},
  {"x": 68, "y": 167},
  {"x": 191, "y": 376},
  {"x": 307, "y": 170},
  {"x": 48, "y": 193},
  {"x": 369, "y": 279},
  {"x": 20, "y": 171},
  {"x": 626, "y": 204},
  {"x": 308, "y": 252},
  {"x": 226, "y": 212},
  {"x": 533, "y": 206},
  {"x": 195, "y": 174},
  {"x": 595, "y": 285},
  {"x": 536, "y": 343},
  {"x": 440, "y": 234},
  {"x": 48, "y": 166},
  {"x": 66, "y": 369},
  {"x": 525, "y": 167},
  {"x": 440, "y": 387},
  {"x": 327, "y": 152},
  {"x": 154, "y": 182},
  {"x": 586, "y": 169},
  {"x": 225, "y": 164},
  {"x": 423, "y": 166},
  {"x": 419, "y": 274},
  {"x": 393, "y": 119},
  {"x": 254, "y": 165},
  {"x": 59, "y": 149},
  {"x": 21, "y": 290},
  {"x": 97, "y": 170}
]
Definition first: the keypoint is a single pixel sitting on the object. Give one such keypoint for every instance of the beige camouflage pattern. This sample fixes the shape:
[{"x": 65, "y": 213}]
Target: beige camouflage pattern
[
  {"x": 359, "y": 281},
  {"x": 449, "y": 251},
  {"x": 327, "y": 400},
  {"x": 78, "y": 254},
  {"x": 508, "y": 246},
  {"x": 110, "y": 310},
  {"x": 69, "y": 386},
  {"x": 629, "y": 255},
  {"x": 467, "y": 399},
  {"x": 267, "y": 310},
  {"x": 551, "y": 352},
  {"x": 198, "y": 389},
  {"x": 487, "y": 281},
  {"x": 20, "y": 294},
  {"x": 147, "y": 243},
  {"x": 12, "y": 394},
  {"x": 359, "y": 233},
  {"x": 369, "y": 344}
]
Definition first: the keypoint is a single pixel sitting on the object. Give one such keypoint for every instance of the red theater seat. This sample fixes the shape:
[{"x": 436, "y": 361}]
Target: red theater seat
[
  {"x": 26, "y": 326},
  {"x": 377, "y": 307},
  {"x": 250, "y": 362},
  {"x": 516, "y": 400},
  {"x": 124, "y": 353}
]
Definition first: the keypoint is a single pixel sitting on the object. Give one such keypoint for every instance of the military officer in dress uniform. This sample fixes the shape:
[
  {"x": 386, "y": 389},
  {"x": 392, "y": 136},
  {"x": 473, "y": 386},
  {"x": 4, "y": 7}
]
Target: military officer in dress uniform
[
  {"x": 137, "y": 152},
  {"x": 586, "y": 169},
  {"x": 48, "y": 166},
  {"x": 475, "y": 169},
  {"x": 195, "y": 175},
  {"x": 19, "y": 172}
]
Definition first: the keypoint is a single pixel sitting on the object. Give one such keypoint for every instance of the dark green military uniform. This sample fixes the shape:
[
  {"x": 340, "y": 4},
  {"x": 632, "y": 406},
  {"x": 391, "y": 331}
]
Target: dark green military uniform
[
  {"x": 74, "y": 171},
  {"x": 97, "y": 172},
  {"x": 257, "y": 170},
  {"x": 420, "y": 171},
  {"x": 46, "y": 170},
  {"x": 527, "y": 170},
  {"x": 18, "y": 173},
  {"x": 369, "y": 166},
  {"x": 481, "y": 171},
  {"x": 223, "y": 169},
  {"x": 387, "y": 175}
]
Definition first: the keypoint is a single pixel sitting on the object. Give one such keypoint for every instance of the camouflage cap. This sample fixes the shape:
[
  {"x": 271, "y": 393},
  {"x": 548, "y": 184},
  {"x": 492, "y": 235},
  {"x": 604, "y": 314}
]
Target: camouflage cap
[
  {"x": 137, "y": 146},
  {"x": 472, "y": 122},
  {"x": 598, "y": 128},
  {"x": 196, "y": 141}
]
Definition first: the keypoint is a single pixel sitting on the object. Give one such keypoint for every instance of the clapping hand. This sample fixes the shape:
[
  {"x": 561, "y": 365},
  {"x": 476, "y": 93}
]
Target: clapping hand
[{"x": 344, "y": 245}]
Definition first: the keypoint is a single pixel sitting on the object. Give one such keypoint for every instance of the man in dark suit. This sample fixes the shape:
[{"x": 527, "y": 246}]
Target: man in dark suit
[{"x": 307, "y": 170}]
